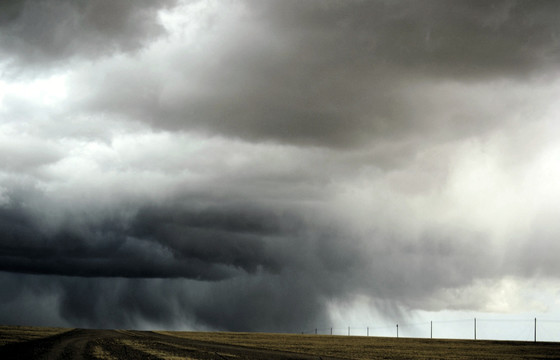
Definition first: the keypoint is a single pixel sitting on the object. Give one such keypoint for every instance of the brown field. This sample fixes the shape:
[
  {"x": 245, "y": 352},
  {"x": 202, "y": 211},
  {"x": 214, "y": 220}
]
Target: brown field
[
  {"x": 12, "y": 334},
  {"x": 55, "y": 343}
]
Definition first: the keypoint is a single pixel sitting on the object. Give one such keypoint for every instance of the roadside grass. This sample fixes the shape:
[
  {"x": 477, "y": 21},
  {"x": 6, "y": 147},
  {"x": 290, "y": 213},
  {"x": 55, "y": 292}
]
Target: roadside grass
[
  {"x": 14, "y": 334},
  {"x": 362, "y": 348},
  {"x": 166, "y": 355},
  {"x": 99, "y": 353}
]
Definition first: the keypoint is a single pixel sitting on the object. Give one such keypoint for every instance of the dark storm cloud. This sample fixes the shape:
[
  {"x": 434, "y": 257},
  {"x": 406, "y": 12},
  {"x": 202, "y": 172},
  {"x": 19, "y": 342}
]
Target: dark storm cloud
[
  {"x": 37, "y": 33},
  {"x": 266, "y": 303},
  {"x": 237, "y": 236},
  {"x": 197, "y": 262},
  {"x": 234, "y": 267},
  {"x": 463, "y": 39},
  {"x": 339, "y": 74},
  {"x": 314, "y": 267},
  {"x": 166, "y": 242}
]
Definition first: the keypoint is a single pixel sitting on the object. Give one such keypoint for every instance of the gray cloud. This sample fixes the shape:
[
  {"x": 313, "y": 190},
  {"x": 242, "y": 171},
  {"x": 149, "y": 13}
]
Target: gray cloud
[
  {"x": 26, "y": 154},
  {"x": 333, "y": 74},
  {"x": 265, "y": 303},
  {"x": 271, "y": 158},
  {"x": 203, "y": 264},
  {"x": 163, "y": 242},
  {"x": 251, "y": 268},
  {"x": 464, "y": 39},
  {"x": 36, "y": 33}
]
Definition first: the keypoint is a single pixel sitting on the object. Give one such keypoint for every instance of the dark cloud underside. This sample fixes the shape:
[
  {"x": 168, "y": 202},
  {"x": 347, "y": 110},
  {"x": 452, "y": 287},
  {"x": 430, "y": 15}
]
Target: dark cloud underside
[{"x": 161, "y": 242}]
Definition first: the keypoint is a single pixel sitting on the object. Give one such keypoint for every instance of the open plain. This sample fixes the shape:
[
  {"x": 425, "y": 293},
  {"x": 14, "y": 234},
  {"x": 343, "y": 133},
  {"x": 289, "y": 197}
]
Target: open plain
[{"x": 55, "y": 343}]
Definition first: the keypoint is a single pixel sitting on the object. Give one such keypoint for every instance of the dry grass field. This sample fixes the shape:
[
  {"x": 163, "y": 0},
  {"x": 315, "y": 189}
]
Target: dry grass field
[
  {"x": 359, "y": 347},
  {"x": 13, "y": 334},
  {"x": 52, "y": 343}
]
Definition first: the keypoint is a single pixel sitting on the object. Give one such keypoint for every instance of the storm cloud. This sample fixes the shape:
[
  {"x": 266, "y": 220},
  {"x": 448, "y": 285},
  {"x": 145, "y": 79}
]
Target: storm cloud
[
  {"x": 47, "y": 32},
  {"x": 266, "y": 165},
  {"x": 339, "y": 74}
]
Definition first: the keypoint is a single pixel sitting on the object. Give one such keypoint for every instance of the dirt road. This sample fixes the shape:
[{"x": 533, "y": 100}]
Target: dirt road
[{"x": 120, "y": 344}]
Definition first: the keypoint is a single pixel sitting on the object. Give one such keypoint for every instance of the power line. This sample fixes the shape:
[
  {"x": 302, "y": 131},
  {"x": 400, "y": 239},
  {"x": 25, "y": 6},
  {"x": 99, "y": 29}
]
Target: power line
[{"x": 480, "y": 329}]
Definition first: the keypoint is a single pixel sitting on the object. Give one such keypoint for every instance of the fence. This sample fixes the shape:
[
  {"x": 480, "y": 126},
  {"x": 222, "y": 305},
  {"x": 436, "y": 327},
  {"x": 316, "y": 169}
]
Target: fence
[{"x": 474, "y": 328}]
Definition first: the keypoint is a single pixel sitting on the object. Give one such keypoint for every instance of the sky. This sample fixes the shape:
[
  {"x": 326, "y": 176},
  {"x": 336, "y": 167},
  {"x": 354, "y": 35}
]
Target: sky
[{"x": 269, "y": 165}]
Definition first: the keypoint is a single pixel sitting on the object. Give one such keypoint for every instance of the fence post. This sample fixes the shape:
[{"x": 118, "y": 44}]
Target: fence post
[
  {"x": 535, "y": 329},
  {"x": 348, "y": 330},
  {"x": 397, "y": 330},
  {"x": 331, "y": 331},
  {"x": 431, "y": 330},
  {"x": 475, "y": 328},
  {"x": 315, "y": 331},
  {"x": 368, "y": 331}
]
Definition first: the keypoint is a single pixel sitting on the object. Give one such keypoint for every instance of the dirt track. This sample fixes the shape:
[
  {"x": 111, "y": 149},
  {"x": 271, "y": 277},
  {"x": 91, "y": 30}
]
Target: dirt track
[{"x": 117, "y": 344}]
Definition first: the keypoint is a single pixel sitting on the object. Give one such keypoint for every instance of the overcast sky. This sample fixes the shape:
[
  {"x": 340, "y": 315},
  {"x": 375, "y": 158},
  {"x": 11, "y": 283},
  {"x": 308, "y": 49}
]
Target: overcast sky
[{"x": 277, "y": 165}]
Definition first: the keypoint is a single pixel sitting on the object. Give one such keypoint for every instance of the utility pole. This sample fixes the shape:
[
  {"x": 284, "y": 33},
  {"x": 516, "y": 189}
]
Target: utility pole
[
  {"x": 475, "y": 328},
  {"x": 535, "y": 329}
]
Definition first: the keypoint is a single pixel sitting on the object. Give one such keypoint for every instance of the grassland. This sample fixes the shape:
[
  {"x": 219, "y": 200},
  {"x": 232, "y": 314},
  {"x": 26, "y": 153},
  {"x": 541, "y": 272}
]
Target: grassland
[
  {"x": 359, "y": 347},
  {"x": 14, "y": 334},
  {"x": 55, "y": 343}
]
